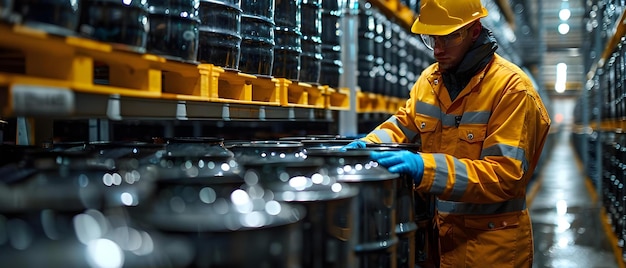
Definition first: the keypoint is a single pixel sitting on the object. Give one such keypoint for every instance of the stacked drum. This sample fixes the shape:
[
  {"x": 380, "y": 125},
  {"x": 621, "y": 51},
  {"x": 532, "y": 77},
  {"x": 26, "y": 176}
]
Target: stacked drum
[
  {"x": 38, "y": 14},
  {"x": 123, "y": 24},
  {"x": 174, "y": 29},
  {"x": 366, "y": 70},
  {"x": 380, "y": 73},
  {"x": 331, "y": 66},
  {"x": 310, "y": 60},
  {"x": 220, "y": 33},
  {"x": 288, "y": 39},
  {"x": 257, "y": 32}
]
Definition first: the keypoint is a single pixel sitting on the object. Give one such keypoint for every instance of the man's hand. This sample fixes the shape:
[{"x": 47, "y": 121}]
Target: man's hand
[
  {"x": 401, "y": 162},
  {"x": 354, "y": 144}
]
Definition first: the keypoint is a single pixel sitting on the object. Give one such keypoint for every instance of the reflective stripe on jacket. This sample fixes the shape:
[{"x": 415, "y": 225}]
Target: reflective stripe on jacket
[{"x": 479, "y": 154}]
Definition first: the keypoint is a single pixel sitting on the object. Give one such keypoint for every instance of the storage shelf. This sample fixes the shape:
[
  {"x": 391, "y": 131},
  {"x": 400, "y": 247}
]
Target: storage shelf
[
  {"x": 618, "y": 33},
  {"x": 610, "y": 125},
  {"x": 61, "y": 73},
  {"x": 68, "y": 104}
]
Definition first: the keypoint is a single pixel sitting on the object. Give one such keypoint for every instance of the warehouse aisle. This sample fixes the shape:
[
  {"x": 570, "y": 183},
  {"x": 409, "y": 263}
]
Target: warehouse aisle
[{"x": 568, "y": 229}]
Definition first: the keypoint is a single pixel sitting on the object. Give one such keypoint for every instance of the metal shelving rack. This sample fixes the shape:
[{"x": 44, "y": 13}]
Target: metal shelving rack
[
  {"x": 58, "y": 81},
  {"x": 600, "y": 122}
]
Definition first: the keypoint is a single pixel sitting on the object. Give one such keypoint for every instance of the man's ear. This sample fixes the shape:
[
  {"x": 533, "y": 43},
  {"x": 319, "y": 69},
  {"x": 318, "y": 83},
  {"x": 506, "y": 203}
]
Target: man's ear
[{"x": 476, "y": 29}]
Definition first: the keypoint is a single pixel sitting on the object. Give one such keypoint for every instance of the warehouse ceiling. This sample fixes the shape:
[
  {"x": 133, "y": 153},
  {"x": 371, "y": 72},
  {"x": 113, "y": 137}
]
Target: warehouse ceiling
[{"x": 543, "y": 47}]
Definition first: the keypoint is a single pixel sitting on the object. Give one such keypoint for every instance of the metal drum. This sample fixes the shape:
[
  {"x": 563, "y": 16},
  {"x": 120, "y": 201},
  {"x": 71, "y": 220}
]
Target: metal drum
[
  {"x": 329, "y": 227},
  {"x": 397, "y": 56},
  {"x": 408, "y": 203},
  {"x": 366, "y": 71},
  {"x": 287, "y": 39},
  {"x": 229, "y": 224},
  {"x": 325, "y": 136},
  {"x": 403, "y": 83},
  {"x": 391, "y": 58},
  {"x": 257, "y": 45},
  {"x": 66, "y": 201},
  {"x": 267, "y": 151},
  {"x": 311, "y": 58},
  {"x": 312, "y": 137},
  {"x": 331, "y": 66},
  {"x": 174, "y": 29},
  {"x": 53, "y": 16},
  {"x": 380, "y": 81},
  {"x": 331, "y": 30},
  {"x": 328, "y": 144},
  {"x": 131, "y": 161},
  {"x": 121, "y": 23},
  {"x": 257, "y": 31},
  {"x": 424, "y": 209},
  {"x": 197, "y": 157},
  {"x": 376, "y": 240},
  {"x": 220, "y": 33},
  {"x": 202, "y": 197}
]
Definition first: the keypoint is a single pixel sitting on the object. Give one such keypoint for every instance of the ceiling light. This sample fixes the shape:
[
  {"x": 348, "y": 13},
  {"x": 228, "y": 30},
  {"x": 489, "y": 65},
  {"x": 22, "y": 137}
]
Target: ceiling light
[
  {"x": 563, "y": 28},
  {"x": 561, "y": 77},
  {"x": 564, "y": 14}
]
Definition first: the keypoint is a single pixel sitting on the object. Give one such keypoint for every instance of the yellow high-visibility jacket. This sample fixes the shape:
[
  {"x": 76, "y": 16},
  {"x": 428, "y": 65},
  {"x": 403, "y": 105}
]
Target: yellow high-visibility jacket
[{"x": 479, "y": 152}]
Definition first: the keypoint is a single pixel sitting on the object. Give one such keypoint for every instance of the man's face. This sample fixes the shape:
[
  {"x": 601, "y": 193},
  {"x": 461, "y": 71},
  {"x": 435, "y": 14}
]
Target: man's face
[{"x": 450, "y": 50}]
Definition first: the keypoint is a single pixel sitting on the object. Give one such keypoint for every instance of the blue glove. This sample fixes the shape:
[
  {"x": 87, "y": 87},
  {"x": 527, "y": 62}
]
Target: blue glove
[
  {"x": 353, "y": 145},
  {"x": 401, "y": 162}
]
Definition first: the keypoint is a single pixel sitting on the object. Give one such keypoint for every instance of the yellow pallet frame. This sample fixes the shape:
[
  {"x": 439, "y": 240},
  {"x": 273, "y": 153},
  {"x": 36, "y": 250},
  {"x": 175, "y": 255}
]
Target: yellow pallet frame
[
  {"x": 70, "y": 62},
  {"x": 376, "y": 103},
  {"x": 233, "y": 86},
  {"x": 610, "y": 125},
  {"x": 299, "y": 94},
  {"x": 337, "y": 99}
]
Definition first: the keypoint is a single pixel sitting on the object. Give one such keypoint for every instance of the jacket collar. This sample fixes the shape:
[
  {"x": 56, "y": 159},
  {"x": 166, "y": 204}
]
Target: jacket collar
[
  {"x": 478, "y": 56},
  {"x": 436, "y": 81}
]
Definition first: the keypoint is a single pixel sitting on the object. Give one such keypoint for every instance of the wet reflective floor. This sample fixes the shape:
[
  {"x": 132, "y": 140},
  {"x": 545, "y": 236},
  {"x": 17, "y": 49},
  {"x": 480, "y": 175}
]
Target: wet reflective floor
[{"x": 568, "y": 226}]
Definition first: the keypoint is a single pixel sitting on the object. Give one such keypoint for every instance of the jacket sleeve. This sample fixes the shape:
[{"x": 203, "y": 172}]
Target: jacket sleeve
[{"x": 398, "y": 128}]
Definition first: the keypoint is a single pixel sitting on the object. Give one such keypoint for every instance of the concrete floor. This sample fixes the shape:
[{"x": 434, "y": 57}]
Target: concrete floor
[{"x": 569, "y": 227}]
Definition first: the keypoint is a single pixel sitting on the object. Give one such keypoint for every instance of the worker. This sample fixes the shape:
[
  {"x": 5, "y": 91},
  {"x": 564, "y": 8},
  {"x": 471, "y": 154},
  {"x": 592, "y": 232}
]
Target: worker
[{"x": 482, "y": 126}]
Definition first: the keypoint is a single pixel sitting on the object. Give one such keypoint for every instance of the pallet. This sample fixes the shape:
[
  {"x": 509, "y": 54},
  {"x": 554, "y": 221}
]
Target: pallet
[
  {"x": 376, "y": 103},
  {"x": 337, "y": 99},
  {"x": 298, "y": 94},
  {"x": 36, "y": 63}
]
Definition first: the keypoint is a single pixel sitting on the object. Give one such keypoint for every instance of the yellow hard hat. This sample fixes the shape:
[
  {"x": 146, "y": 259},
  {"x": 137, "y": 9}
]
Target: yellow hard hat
[{"x": 442, "y": 17}]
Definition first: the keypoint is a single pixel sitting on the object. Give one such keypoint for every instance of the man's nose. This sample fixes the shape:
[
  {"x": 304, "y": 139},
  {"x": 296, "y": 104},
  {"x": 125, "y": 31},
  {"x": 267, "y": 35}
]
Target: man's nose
[{"x": 438, "y": 48}]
